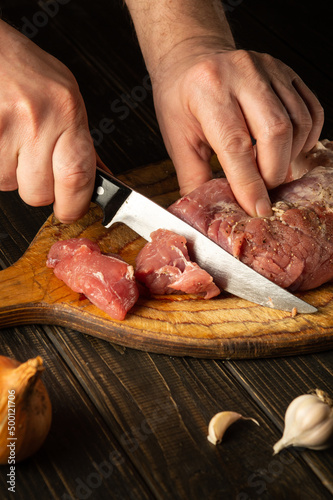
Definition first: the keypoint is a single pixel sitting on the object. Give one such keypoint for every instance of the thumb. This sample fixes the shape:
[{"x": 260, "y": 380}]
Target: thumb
[{"x": 74, "y": 167}]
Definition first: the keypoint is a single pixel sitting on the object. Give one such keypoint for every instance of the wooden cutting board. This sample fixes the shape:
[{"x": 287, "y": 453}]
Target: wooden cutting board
[{"x": 223, "y": 327}]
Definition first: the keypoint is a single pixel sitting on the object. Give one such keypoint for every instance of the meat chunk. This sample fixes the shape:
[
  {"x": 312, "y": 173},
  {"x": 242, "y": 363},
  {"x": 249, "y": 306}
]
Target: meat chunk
[
  {"x": 294, "y": 247},
  {"x": 67, "y": 248},
  {"x": 106, "y": 280},
  {"x": 164, "y": 266}
]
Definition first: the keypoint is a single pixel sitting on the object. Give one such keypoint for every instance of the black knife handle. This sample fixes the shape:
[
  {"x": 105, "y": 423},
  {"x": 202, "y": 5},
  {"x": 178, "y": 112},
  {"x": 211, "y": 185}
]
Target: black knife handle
[{"x": 109, "y": 193}]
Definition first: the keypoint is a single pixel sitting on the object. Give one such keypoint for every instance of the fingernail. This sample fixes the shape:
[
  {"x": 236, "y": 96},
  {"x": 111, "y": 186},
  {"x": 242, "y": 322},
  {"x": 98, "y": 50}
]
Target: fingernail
[{"x": 263, "y": 208}]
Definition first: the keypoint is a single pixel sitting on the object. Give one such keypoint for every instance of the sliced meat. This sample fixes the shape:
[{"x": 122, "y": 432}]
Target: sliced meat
[
  {"x": 164, "y": 266},
  {"x": 67, "y": 248},
  {"x": 294, "y": 248},
  {"x": 106, "y": 280}
]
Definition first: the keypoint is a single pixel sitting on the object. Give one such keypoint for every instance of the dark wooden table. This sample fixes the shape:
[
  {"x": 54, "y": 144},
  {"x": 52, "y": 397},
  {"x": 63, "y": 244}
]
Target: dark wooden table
[{"x": 129, "y": 424}]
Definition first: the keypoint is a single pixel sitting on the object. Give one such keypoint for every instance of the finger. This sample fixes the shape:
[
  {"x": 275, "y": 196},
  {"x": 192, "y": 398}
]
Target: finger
[
  {"x": 8, "y": 165},
  {"x": 269, "y": 123},
  {"x": 315, "y": 109},
  {"x": 299, "y": 115},
  {"x": 275, "y": 116},
  {"x": 8, "y": 158},
  {"x": 34, "y": 174},
  {"x": 74, "y": 167},
  {"x": 228, "y": 134}
]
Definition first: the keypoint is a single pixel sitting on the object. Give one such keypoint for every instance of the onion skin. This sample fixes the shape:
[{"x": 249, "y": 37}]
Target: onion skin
[{"x": 33, "y": 409}]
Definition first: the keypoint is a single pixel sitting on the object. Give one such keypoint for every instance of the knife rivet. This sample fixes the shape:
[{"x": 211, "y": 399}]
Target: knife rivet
[{"x": 100, "y": 190}]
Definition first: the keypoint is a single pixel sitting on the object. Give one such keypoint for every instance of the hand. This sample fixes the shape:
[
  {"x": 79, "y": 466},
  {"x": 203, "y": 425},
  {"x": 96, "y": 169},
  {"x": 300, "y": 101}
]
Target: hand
[
  {"x": 217, "y": 100},
  {"x": 46, "y": 148}
]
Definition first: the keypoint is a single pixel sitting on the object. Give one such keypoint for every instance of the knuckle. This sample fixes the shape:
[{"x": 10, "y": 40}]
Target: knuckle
[
  {"x": 302, "y": 123},
  {"x": 237, "y": 142},
  {"x": 68, "y": 99},
  {"x": 28, "y": 112},
  {"x": 244, "y": 58},
  {"x": 54, "y": 100},
  {"x": 76, "y": 177},
  {"x": 249, "y": 63},
  {"x": 278, "y": 129},
  {"x": 204, "y": 73},
  {"x": 306, "y": 122},
  {"x": 208, "y": 72}
]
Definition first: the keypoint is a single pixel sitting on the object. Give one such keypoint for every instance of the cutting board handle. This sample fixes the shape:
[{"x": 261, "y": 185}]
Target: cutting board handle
[
  {"x": 18, "y": 286},
  {"x": 20, "y": 289}
]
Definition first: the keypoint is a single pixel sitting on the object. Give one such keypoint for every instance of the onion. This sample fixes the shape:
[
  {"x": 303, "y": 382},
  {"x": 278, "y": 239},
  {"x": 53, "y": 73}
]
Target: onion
[{"x": 25, "y": 409}]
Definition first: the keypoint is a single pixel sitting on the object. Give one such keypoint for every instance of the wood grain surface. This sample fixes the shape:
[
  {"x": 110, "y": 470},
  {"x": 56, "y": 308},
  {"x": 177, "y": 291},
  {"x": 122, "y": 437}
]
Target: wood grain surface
[{"x": 223, "y": 327}]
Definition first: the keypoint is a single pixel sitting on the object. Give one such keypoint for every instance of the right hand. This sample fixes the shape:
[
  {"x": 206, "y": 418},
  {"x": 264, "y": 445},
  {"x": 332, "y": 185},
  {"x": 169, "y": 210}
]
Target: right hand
[
  {"x": 216, "y": 100},
  {"x": 47, "y": 152}
]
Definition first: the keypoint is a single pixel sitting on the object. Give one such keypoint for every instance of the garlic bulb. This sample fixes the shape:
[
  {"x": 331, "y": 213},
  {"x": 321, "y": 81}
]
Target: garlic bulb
[
  {"x": 308, "y": 422},
  {"x": 25, "y": 409},
  {"x": 220, "y": 423}
]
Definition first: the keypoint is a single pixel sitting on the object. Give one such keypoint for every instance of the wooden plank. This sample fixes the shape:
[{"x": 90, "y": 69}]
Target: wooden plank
[
  {"x": 275, "y": 383},
  {"x": 80, "y": 457},
  {"x": 160, "y": 407}
]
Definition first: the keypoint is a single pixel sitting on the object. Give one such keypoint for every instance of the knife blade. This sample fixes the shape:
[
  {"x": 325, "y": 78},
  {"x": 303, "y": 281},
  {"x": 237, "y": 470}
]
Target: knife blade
[{"x": 120, "y": 203}]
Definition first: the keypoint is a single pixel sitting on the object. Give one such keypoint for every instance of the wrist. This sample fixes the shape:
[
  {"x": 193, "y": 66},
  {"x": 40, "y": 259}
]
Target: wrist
[
  {"x": 177, "y": 29},
  {"x": 186, "y": 51}
]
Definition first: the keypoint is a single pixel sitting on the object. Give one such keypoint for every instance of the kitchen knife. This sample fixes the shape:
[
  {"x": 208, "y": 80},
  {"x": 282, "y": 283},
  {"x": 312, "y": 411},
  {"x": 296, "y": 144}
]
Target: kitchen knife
[{"x": 121, "y": 203}]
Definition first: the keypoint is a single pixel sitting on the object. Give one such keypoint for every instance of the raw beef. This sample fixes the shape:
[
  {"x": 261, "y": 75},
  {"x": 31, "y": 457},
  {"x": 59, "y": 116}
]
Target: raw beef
[
  {"x": 294, "y": 247},
  {"x": 164, "y": 266},
  {"x": 106, "y": 280},
  {"x": 67, "y": 248}
]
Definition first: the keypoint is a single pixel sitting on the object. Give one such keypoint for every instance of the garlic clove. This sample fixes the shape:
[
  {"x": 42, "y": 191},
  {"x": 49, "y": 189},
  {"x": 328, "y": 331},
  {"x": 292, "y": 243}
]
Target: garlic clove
[
  {"x": 308, "y": 423},
  {"x": 220, "y": 423}
]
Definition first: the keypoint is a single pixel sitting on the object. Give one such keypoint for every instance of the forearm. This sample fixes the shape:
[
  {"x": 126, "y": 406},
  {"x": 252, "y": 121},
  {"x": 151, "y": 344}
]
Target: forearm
[{"x": 164, "y": 25}]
